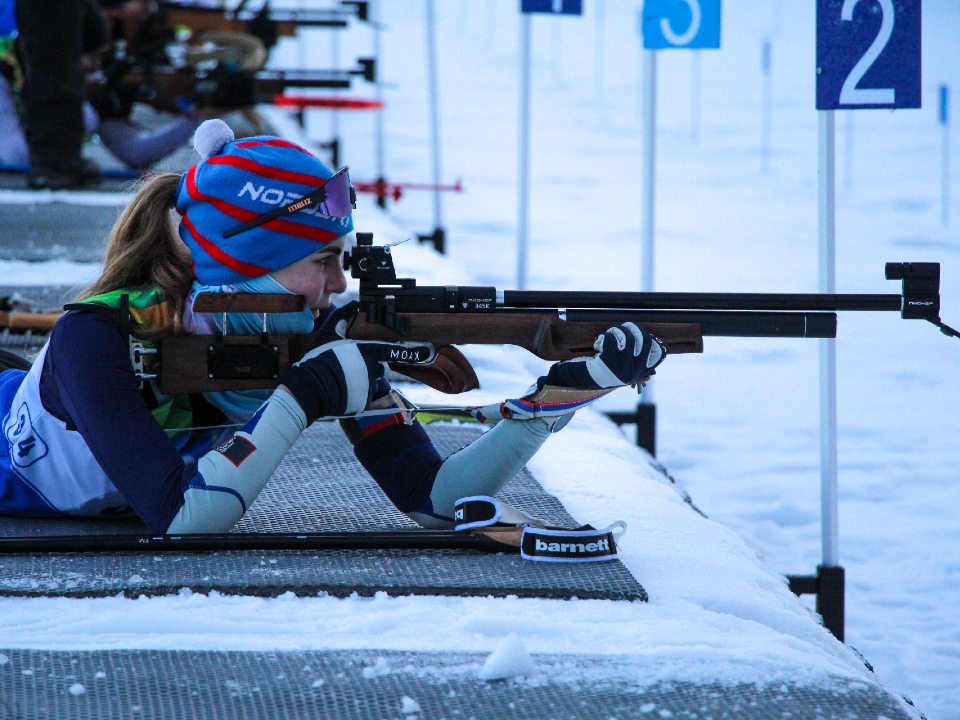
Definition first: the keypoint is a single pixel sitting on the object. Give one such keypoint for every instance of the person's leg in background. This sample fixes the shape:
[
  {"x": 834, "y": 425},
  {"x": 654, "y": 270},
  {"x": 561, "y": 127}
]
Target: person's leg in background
[{"x": 53, "y": 35}]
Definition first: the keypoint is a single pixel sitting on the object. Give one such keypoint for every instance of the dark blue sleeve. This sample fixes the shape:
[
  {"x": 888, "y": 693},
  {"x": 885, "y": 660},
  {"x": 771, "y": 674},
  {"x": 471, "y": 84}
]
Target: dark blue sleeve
[
  {"x": 88, "y": 383},
  {"x": 403, "y": 461}
]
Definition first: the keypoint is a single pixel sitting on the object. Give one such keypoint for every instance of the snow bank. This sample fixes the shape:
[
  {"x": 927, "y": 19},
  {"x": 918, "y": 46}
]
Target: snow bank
[{"x": 20, "y": 273}]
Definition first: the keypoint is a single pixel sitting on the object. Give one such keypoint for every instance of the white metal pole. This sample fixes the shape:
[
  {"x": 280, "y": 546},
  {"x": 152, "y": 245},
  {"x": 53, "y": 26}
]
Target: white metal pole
[
  {"x": 378, "y": 117},
  {"x": 695, "y": 72},
  {"x": 945, "y": 177},
  {"x": 945, "y": 183},
  {"x": 434, "y": 113},
  {"x": 599, "y": 42},
  {"x": 555, "y": 48},
  {"x": 766, "y": 108},
  {"x": 828, "y": 350},
  {"x": 649, "y": 161},
  {"x": 523, "y": 198},
  {"x": 335, "y": 65},
  {"x": 848, "y": 151}
]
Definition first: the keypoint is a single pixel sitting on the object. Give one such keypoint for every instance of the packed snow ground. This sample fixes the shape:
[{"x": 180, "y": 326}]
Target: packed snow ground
[
  {"x": 738, "y": 424},
  {"x": 716, "y": 613}
]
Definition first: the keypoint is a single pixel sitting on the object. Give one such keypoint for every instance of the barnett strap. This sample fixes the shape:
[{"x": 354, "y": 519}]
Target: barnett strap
[
  {"x": 585, "y": 544},
  {"x": 487, "y": 515}
]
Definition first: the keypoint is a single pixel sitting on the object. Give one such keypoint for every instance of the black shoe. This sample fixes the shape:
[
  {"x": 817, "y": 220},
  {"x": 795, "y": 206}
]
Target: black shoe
[
  {"x": 86, "y": 169},
  {"x": 72, "y": 175}
]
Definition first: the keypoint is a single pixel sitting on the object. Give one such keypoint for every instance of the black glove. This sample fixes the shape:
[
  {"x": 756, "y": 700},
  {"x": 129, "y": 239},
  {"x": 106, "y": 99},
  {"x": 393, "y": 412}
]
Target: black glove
[
  {"x": 625, "y": 355},
  {"x": 338, "y": 377}
]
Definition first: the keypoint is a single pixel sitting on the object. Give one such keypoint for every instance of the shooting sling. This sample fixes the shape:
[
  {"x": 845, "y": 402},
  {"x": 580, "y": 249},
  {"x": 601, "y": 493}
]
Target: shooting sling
[{"x": 487, "y": 515}]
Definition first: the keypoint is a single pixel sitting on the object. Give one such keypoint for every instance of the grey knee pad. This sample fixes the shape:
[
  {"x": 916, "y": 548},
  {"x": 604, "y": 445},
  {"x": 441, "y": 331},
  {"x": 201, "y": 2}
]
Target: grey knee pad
[{"x": 484, "y": 466}]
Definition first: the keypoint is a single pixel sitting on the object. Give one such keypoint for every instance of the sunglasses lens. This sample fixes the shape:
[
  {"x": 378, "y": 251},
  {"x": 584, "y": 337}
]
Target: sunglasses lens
[{"x": 337, "y": 202}]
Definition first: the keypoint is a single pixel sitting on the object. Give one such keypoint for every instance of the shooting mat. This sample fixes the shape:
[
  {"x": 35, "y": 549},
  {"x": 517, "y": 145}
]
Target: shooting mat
[
  {"x": 364, "y": 684},
  {"x": 319, "y": 487}
]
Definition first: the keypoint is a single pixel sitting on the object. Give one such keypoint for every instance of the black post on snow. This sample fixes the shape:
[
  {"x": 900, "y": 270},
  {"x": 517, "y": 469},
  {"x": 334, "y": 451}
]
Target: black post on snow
[
  {"x": 334, "y": 147},
  {"x": 829, "y": 585},
  {"x": 645, "y": 420}
]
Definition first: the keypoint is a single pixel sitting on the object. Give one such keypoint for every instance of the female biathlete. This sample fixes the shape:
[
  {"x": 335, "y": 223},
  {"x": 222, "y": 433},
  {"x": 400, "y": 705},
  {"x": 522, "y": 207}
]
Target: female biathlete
[{"x": 83, "y": 439}]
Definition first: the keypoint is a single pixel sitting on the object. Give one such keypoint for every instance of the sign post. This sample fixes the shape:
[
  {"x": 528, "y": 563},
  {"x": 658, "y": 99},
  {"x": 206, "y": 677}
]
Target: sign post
[
  {"x": 523, "y": 182},
  {"x": 865, "y": 60},
  {"x": 527, "y": 7},
  {"x": 378, "y": 119},
  {"x": 766, "y": 107},
  {"x": 439, "y": 236},
  {"x": 944, "y": 118},
  {"x": 684, "y": 24}
]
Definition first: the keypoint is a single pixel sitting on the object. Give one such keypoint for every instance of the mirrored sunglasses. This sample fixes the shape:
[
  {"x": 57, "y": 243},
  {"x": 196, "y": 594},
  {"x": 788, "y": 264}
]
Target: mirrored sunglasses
[{"x": 335, "y": 198}]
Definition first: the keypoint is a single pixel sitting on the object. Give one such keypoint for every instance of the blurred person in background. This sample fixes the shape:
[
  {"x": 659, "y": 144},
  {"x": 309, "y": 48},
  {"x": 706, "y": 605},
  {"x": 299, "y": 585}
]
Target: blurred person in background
[
  {"x": 53, "y": 35},
  {"x": 52, "y": 154}
]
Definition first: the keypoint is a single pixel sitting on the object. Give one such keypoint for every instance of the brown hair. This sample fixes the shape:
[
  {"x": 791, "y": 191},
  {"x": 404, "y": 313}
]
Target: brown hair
[{"x": 144, "y": 249}]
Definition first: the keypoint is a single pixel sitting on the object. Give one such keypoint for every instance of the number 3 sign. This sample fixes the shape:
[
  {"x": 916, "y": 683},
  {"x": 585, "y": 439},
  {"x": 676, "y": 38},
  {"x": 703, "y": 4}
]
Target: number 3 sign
[
  {"x": 688, "y": 24},
  {"x": 868, "y": 54}
]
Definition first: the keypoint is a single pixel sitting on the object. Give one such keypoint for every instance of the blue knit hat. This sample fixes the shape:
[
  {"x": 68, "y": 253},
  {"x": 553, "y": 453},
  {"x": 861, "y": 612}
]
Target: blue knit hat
[{"x": 238, "y": 181}]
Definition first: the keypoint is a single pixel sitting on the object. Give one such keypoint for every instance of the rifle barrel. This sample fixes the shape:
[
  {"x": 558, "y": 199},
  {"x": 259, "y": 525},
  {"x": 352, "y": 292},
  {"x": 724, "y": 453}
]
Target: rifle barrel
[
  {"x": 530, "y": 299},
  {"x": 725, "y": 324},
  {"x": 382, "y": 540}
]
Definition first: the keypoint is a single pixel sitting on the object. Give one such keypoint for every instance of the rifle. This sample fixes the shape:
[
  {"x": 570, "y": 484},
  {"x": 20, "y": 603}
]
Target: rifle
[
  {"x": 554, "y": 325},
  {"x": 267, "y": 21},
  {"x": 165, "y": 87}
]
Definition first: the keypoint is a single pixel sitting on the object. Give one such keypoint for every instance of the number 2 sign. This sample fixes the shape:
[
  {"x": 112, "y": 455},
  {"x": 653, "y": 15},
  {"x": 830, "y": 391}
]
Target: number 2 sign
[{"x": 868, "y": 54}]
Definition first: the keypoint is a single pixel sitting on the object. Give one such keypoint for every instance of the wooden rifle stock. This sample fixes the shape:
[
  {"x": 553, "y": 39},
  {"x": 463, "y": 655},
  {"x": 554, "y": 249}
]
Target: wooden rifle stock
[
  {"x": 185, "y": 361},
  {"x": 22, "y": 321},
  {"x": 544, "y": 334}
]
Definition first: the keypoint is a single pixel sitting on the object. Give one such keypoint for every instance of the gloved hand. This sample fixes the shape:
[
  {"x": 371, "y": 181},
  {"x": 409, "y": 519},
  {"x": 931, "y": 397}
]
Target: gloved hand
[
  {"x": 625, "y": 355},
  {"x": 338, "y": 377}
]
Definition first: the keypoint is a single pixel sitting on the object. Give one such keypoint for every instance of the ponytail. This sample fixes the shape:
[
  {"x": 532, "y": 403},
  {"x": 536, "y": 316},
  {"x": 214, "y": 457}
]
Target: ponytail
[{"x": 144, "y": 249}]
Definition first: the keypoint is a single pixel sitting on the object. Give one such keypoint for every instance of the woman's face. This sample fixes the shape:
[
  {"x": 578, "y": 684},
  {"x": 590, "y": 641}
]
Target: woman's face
[{"x": 316, "y": 276}]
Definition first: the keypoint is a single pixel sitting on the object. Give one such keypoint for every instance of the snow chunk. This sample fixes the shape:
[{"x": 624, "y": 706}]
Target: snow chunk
[
  {"x": 317, "y": 683},
  {"x": 409, "y": 706},
  {"x": 379, "y": 668},
  {"x": 77, "y": 689},
  {"x": 100, "y": 675},
  {"x": 4, "y": 659},
  {"x": 510, "y": 659}
]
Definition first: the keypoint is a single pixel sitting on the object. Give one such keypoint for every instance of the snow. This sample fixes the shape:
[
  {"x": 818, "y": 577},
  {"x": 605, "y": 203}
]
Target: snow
[
  {"x": 510, "y": 659},
  {"x": 69, "y": 197},
  {"x": 409, "y": 706},
  {"x": 738, "y": 425},
  {"x": 21, "y": 273}
]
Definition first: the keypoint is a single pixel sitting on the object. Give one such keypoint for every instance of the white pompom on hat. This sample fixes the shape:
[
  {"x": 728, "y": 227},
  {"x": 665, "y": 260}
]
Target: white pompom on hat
[{"x": 210, "y": 138}]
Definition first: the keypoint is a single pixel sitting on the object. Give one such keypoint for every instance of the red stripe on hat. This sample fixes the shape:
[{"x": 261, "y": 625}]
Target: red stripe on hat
[
  {"x": 280, "y": 225},
  {"x": 220, "y": 256},
  {"x": 267, "y": 171},
  {"x": 274, "y": 143}
]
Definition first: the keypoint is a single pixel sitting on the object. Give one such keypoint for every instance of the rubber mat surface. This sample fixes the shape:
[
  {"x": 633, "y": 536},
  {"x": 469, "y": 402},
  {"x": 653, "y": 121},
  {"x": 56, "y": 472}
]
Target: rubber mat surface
[
  {"x": 320, "y": 486},
  {"x": 377, "y": 684}
]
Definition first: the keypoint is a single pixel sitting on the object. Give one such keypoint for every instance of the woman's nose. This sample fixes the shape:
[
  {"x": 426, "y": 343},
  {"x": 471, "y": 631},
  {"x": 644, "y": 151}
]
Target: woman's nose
[{"x": 338, "y": 283}]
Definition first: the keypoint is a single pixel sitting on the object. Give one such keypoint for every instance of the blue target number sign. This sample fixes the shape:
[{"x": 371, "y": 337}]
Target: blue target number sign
[
  {"x": 688, "y": 24},
  {"x": 868, "y": 54},
  {"x": 555, "y": 7}
]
